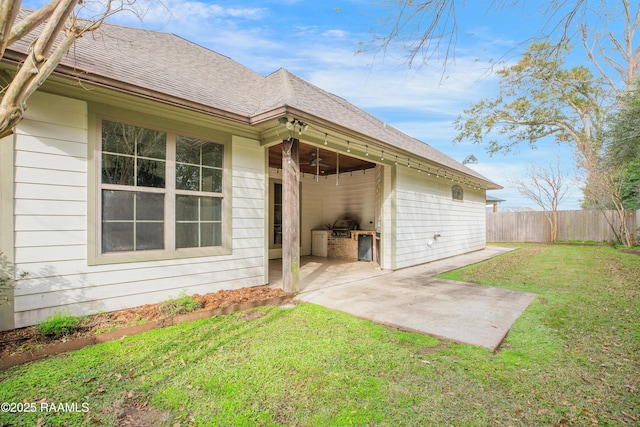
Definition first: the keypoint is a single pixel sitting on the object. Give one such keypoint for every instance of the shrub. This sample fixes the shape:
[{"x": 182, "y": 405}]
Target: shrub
[
  {"x": 181, "y": 305},
  {"x": 59, "y": 324},
  {"x": 8, "y": 280}
]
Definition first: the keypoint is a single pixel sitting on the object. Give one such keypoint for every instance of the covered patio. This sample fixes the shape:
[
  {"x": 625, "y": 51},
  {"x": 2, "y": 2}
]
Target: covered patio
[{"x": 320, "y": 272}]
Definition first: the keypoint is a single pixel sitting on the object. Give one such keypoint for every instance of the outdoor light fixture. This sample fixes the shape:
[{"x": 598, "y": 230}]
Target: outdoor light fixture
[{"x": 291, "y": 125}]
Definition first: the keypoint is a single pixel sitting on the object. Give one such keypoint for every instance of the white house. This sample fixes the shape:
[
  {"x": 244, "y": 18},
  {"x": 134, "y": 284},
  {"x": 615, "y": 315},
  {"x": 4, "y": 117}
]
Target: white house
[{"x": 148, "y": 165}]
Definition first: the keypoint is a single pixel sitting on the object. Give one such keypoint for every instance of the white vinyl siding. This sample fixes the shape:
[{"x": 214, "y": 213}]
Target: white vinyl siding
[
  {"x": 424, "y": 208},
  {"x": 323, "y": 202},
  {"x": 354, "y": 198},
  {"x": 51, "y": 226}
]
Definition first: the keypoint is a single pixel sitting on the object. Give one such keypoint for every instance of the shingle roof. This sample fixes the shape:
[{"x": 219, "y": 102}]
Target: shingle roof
[
  {"x": 150, "y": 61},
  {"x": 297, "y": 92}
]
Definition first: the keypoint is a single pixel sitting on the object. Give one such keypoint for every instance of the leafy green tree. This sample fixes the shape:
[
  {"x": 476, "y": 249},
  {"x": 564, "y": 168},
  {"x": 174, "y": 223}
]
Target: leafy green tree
[
  {"x": 623, "y": 144},
  {"x": 622, "y": 150},
  {"x": 614, "y": 183},
  {"x": 540, "y": 98}
]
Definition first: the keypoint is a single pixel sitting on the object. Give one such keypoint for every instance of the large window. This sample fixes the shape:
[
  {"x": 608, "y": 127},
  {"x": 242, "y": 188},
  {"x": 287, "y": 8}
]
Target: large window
[
  {"x": 199, "y": 167},
  {"x": 159, "y": 191}
]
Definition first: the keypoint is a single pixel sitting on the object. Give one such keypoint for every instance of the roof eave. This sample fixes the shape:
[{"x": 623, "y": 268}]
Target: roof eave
[
  {"x": 16, "y": 58},
  {"x": 286, "y": 110}
]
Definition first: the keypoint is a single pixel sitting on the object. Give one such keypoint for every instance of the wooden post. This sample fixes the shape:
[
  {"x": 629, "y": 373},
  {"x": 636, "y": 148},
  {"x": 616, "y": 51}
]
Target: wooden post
[{"x": 290, "y": 216}]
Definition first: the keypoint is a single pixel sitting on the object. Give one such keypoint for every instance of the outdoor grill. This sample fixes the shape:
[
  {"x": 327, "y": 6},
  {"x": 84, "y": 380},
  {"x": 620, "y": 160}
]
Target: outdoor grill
[{"x": 343, "y": 227}]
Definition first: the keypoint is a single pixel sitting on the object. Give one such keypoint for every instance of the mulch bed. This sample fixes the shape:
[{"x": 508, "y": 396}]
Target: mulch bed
[{"x": 26, "y": 344}]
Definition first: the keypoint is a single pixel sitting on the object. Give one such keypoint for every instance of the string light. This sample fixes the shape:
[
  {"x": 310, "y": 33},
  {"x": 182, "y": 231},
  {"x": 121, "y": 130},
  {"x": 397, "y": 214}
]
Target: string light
[{"x": 303, "y": 127}]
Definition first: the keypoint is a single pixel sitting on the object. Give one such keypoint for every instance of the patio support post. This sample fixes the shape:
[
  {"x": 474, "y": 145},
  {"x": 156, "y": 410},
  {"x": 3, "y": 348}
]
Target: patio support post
[{"x": 290, "y": 216}]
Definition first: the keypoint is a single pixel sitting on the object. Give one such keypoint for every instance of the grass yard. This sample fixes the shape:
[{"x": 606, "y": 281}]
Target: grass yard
[{"x": 571, "y": 359}]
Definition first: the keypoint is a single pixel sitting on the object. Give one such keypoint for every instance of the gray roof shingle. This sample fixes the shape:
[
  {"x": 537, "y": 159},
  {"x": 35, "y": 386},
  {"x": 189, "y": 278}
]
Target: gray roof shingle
[{"x": 173, "y": 67}]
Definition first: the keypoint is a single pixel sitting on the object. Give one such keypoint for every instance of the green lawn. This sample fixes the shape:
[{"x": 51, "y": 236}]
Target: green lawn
[{"x": 571, "y": 359}]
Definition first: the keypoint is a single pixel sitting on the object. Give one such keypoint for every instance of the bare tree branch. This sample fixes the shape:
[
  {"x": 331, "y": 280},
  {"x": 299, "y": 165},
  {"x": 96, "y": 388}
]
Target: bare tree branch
[
  {"x": 547, "y": 187},
  {"x": 32, "y": 21},
  {"x": 9, "y": 10},
  {"x": 59, "y": 27}
]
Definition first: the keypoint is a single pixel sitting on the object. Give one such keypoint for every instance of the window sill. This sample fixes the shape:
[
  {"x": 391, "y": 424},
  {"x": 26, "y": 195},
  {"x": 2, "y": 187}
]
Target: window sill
[{"x": 148, "y": 256}]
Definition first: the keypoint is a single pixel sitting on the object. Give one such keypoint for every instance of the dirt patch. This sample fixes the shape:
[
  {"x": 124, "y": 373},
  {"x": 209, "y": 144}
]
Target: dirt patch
[
  {"x": 251, "y": 315},
  {"x": 630, "y": 251},
  {"x": 141, "y": 415},
  {"x": 24, "y": 340}
]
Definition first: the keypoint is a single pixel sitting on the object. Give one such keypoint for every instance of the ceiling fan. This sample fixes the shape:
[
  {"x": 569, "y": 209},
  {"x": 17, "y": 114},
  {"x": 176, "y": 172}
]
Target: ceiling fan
[{"x": 317, "y": 161}]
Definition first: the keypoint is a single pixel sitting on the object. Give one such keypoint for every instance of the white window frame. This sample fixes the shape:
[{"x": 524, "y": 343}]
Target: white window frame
[{"x": 95, "y": 254}]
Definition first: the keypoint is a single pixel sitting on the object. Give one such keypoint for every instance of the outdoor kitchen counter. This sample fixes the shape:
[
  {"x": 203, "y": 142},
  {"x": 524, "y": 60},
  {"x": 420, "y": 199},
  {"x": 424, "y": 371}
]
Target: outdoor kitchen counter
[{"x": 346, "y": 247}]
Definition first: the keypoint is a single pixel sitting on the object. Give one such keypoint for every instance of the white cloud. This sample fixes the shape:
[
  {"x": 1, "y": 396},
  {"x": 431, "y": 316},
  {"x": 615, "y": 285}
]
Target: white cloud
[
  {"x": 339, "y": 34},
  {"x": 189, "y": 15}
]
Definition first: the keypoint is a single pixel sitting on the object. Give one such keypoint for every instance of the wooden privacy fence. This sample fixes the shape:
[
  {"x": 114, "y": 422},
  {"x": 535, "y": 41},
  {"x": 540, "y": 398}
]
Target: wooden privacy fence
[{"x": 572, "y": 225}]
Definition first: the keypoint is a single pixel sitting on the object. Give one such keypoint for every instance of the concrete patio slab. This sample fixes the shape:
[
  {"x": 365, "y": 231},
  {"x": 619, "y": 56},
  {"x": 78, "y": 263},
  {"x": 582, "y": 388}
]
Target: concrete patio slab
[{"x": 412, "y": 299}]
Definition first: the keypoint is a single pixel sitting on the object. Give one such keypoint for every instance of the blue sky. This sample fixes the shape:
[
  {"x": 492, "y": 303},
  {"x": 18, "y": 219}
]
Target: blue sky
[{"x": 318, "y": 41}]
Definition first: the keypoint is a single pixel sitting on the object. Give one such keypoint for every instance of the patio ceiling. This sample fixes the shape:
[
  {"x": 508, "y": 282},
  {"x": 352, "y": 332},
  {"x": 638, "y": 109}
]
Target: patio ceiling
[{"x": 328, "y": 159}]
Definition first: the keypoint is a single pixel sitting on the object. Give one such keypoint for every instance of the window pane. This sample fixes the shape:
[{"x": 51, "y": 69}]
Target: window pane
[
  {"x": 117, "y": 205},
  {"x": 115, "y": 138},
  {"x": 151, "y": 143},
  {"x": 211, "y": 234},
  {"x": 151, "y": 173},
  {"x": 129, "y": 139},
  {"x": 149, "y": 206},
  {"x": 117, "y": 236},
  {"x": 212, "y": 154},
  {"x": 186, "y": 208},
  {"x": 456, "y": 192},
  {"x": 149, "y": 235},
  {"x": 210, "y": 209},
  {"x": 188, "y": 150},
  {"x": 187, "y": 177},
  {"x": 187, "y": 235},
  {"x": 117, "y": 170},
  {"x": 212, "y": 180}
]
